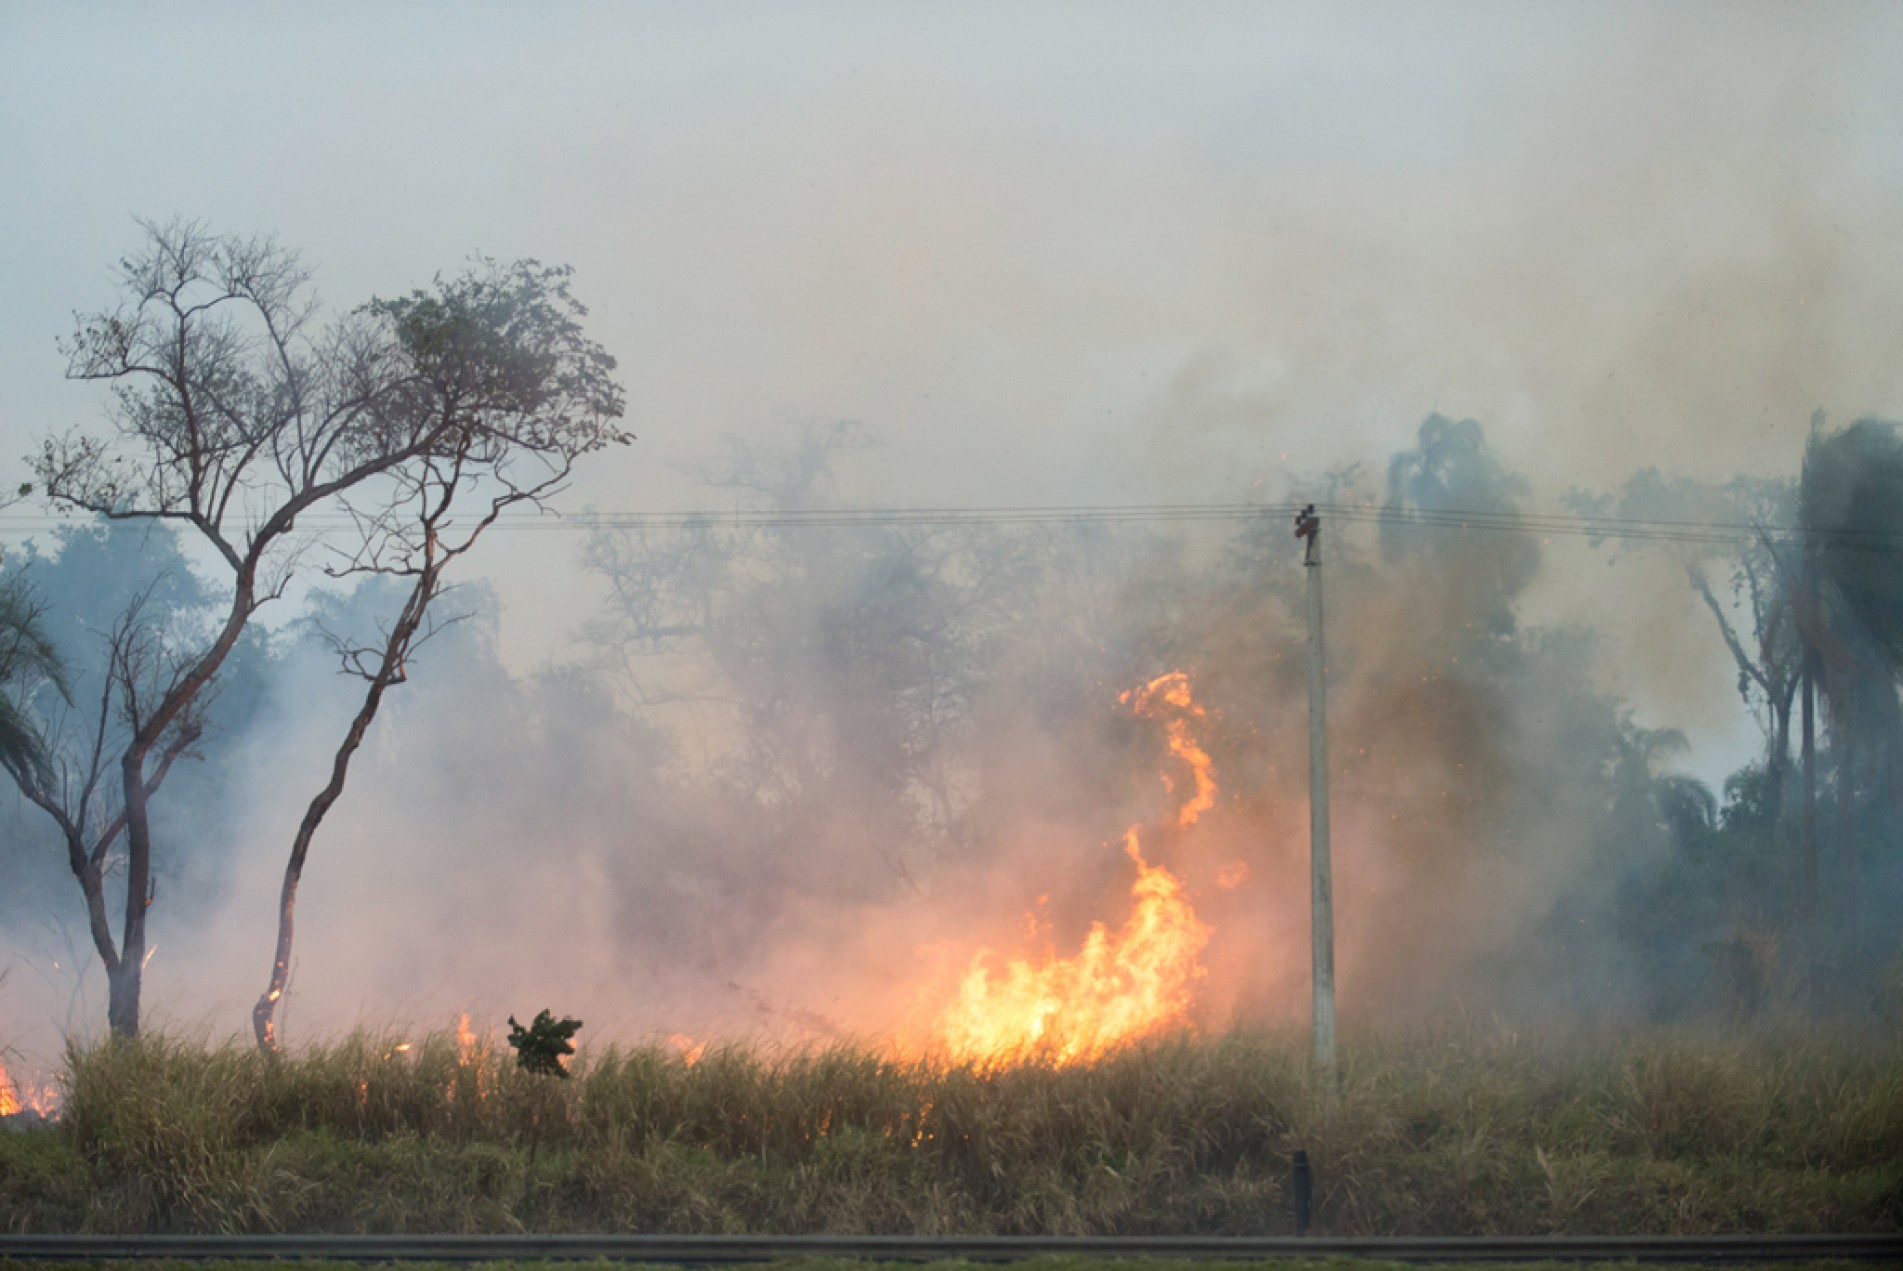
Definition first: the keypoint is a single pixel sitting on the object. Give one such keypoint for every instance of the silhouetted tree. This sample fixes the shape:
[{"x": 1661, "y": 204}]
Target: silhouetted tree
[
  {"x": 1851, "y": 620},
  {"x": 500, "y": 353},
  {"x": 246, "y": 422},
  {"x": 28, "y": 661}
]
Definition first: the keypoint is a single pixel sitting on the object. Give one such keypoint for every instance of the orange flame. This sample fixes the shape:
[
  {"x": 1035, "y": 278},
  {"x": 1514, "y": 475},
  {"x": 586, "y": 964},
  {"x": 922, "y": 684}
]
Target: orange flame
[
  {"x": 686, "y": 1047},
  {"x": 43, "y": 1099},
  {"x": 465, "y": 1041},
  {"x": 1120, "y": 986},
  {"x": 475, "y": 1073},
  {"x": 1172, "y": 691}
]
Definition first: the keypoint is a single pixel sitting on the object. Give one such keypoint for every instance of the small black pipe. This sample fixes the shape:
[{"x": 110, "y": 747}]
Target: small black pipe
[{"x": 1304, "y": 1193}]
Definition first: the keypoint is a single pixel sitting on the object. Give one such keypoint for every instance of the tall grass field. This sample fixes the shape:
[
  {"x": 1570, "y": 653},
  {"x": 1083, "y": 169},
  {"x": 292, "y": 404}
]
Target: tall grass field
[{"x": 1476, "y": 1132}]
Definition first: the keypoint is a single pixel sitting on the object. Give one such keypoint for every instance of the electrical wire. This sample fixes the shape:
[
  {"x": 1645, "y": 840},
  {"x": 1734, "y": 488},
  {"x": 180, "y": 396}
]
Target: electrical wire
[{"x": 1477, "y": 520}]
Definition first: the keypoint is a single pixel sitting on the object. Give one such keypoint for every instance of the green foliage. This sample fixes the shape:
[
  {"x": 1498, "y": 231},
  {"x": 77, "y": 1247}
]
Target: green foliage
[
  {"x": 1852, "y": 504},
  {"x": 1471, "y": 1132},
  {"x": 544, "y": 1044},
  {"x": 502, "y": 347},
  {"x": 27, "y": 660}
]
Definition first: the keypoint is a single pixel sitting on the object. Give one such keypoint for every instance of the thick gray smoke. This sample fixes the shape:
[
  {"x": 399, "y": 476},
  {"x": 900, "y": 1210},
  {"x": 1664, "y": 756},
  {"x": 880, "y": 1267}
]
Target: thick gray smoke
[{"x": 807, "y": 771}]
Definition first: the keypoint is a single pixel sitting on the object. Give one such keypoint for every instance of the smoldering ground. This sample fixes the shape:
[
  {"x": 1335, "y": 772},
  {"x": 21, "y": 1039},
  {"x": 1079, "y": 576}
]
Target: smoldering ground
[{"x": 807, "y": 773}]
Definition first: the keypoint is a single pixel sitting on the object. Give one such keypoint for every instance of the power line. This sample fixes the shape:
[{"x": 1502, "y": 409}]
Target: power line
[{"x": 1478, "y": 520}]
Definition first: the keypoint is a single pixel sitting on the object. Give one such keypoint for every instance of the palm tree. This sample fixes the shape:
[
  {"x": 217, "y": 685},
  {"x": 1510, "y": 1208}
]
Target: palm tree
[
  {"x": 1851, "y": 620},
  {"x": 28, "y": 661}
]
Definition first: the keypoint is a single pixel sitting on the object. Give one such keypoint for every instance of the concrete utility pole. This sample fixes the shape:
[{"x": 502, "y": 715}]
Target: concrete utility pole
[
  {"x": 1322, "y": 892},
  {"x": 1809, "y": 710}
]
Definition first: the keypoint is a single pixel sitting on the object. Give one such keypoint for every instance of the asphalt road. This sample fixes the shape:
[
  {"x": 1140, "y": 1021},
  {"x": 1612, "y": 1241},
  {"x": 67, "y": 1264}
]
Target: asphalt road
[{"x": 732, "y": 1250}]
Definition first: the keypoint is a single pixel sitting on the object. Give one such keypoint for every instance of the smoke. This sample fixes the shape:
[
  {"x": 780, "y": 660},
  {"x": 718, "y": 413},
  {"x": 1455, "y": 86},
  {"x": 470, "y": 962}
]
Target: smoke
[
  {"x": 788, "y": 779},
  {"x": 805, "y": 773}
]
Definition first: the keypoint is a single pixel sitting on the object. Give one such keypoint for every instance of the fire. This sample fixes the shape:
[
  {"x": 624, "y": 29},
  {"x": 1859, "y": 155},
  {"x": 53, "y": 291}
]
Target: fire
[
  {"x": 475, "y": 1075},
  {"x": 1121, "y": 985},
  {"x": 1172, "y": 691},
  {"x": 43, "y": 1100}
]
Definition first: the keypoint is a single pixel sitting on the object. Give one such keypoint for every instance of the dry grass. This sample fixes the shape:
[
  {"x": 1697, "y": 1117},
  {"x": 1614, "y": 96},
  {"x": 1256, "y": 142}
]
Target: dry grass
[{"x": 1474, "y": 1133}]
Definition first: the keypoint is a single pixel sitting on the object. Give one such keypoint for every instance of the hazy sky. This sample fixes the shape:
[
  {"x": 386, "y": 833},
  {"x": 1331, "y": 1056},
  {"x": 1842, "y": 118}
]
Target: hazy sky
[{"x": 1045, "y": 252}]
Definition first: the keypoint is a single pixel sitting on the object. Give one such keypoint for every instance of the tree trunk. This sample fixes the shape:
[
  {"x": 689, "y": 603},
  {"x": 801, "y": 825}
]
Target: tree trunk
[
  {"x": 263, "y": 1015},
  {"x": 1778, "y": 764},
  {"x": 389, "y": 671},
  {"x": 126, "y": 981},
  {"x": 122, "y": 998}
]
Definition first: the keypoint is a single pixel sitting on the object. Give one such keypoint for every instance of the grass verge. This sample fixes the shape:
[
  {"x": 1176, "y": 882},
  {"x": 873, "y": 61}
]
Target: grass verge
[{"x": 1423, "y": 1135}]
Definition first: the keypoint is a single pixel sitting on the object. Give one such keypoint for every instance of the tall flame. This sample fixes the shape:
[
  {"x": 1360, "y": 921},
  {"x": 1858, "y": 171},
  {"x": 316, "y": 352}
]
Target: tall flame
[
  {"x": 1171, "y": 691},
  {"x": 1121, "y": 985}
]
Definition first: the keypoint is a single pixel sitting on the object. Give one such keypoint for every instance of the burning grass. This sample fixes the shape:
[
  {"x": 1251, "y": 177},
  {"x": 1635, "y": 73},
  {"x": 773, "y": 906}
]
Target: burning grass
[{"x": 1427, "y": 1134}]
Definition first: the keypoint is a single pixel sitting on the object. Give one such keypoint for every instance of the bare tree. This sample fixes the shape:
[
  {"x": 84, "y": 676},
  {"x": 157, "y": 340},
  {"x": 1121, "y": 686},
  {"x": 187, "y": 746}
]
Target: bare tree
[
  {"x": 413, "y": 534},
  {"x": 237, "y": 414},
  {"x": 73, "y": 786},
  {"x": 1770, "y": 668},
  {"x": 1763, "y": 588}
]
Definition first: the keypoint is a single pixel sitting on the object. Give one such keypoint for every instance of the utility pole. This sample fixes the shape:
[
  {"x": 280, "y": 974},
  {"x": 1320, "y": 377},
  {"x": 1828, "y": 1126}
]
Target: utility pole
[
  {"x": 1321, "y": 885},
  {"x": 1809, "y": 733}
]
